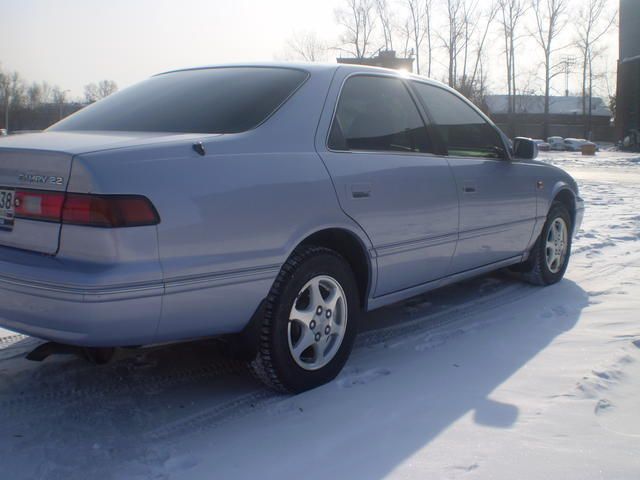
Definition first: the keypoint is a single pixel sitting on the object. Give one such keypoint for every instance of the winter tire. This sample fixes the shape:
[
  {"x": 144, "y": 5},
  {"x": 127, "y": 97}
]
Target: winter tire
[
  {"x": 310, "y": 321},
  {"x": 549, "y": 257}
]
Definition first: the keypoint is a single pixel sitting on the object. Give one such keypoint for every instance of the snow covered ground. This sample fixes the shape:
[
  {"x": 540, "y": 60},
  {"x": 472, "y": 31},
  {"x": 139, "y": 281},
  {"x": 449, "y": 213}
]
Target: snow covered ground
[{"x": 491, "y": 378}]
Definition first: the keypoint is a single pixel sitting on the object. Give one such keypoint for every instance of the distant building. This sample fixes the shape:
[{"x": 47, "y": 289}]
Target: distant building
[
  {"x": 385, "y": 59},
  {"x": 628, "y": 97},
  {"x": 565, "y": 116}
]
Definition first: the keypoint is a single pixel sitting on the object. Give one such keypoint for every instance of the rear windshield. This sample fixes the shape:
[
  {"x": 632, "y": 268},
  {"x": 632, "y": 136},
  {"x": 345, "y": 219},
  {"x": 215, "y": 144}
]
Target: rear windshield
[{"x": 215, "y": 100}]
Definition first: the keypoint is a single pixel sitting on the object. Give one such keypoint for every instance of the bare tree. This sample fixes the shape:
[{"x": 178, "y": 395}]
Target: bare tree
[
  {"x": 469, "y": 26},
  {"x": 405, "y": 34},
  {"x": 549, "y": 16},
  {"x": 38, "y": 94},
  {"x": 453, "y": 41},
  {"x": 305, "y": 45},
  {"x": 59, "y": 97},
  {"x": 428, "y": 13},
  {"x": 591, "y": 26},
  {"x": 106, "y": 88},
  {"x": 6, "y": 99},
  {"x": 476, "y": 28},
  {"x": 511, "y": 11},
  {"x": 11, "y": 92},
  {"x": 357, "y": 20},
  {"x": 94, "y": 92},
  {"x": 386, "y": 21},
  {"x": 418, "y": 27},
  {"x": 91, "y": 93}
]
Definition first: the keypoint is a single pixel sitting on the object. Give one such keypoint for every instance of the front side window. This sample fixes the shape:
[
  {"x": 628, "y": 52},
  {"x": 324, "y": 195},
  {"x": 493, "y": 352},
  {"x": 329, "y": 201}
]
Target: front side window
[
  {"x": 464, "y": 132},
  {"x": 377, "y": 114},
  {"x": 211, "y": 100}
]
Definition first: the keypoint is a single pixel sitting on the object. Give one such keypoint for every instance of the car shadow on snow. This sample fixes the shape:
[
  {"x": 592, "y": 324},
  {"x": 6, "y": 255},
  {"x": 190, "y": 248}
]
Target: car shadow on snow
[
  {"x": 419, "y": 367},
  {"x": 428, "y": 390}
]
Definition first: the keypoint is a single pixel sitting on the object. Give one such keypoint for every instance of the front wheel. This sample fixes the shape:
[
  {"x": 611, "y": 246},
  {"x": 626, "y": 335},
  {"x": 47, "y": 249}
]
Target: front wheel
[
  {"x": 310, "y": 321},
  {"x": 549, "y": 257}
]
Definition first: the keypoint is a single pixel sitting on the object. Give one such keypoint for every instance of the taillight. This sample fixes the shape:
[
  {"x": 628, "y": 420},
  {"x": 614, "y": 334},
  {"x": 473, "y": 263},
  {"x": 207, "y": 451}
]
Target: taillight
[
  {"x": 37, "y": 205},
  {"x": 107, "y": 211}
]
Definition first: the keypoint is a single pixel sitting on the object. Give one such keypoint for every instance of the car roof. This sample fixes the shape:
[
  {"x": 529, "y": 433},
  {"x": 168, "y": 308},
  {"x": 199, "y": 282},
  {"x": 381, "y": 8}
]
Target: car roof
[{"x": 315, "y": 67}]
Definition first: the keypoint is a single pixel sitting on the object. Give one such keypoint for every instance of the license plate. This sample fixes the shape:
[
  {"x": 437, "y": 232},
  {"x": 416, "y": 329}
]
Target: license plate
[{"x": 7, "y": 208}]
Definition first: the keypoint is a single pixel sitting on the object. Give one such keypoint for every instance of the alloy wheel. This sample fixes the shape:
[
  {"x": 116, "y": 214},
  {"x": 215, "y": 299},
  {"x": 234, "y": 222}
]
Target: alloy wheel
[
  {"x": 317, "y": 322},
  {"x": 557, "y": 245}
]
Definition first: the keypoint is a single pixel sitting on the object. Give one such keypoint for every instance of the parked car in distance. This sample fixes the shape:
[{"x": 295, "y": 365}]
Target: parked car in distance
[
  {"x": 3, "y": 132},
  {"x": 271, "y": 202},
  {"x": 575, "y": 144},
  {"x": 556, "y": 143},
  {"x": 542, "y": 145}
]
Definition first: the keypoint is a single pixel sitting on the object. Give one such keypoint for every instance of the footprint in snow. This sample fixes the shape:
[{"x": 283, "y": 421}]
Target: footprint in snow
[
  {"x": 602, "y": 406},
  {"x": 362, "y": 378},
  {"x": 437, "y": 340},
  {"x": 467, "y": 468}
]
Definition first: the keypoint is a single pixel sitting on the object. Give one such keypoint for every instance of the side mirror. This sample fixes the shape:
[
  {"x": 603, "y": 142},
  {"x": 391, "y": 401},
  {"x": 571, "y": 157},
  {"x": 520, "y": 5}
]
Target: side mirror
[{"x": 524, "y": 148}]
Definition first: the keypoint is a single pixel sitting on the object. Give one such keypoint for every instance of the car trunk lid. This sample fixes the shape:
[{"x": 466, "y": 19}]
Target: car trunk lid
[
  {"x": 26, "y": 170},
  {"x": 40, "y": 163}
]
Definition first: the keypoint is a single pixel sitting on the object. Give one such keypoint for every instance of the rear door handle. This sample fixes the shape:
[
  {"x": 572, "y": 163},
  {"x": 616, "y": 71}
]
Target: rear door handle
[
  {"x": 469, "y": 188},
  {"x": 361, "y": 190}
]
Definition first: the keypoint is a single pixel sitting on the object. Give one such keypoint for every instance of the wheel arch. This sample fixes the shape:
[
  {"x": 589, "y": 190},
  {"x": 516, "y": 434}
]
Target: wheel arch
[
  {"x": 342, "y": 240},
  {"x": 566, "y": 196},
  {"x": 354, "y": 251}
]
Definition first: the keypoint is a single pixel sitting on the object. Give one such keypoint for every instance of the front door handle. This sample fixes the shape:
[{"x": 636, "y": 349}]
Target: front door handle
[{"x": 361, "y": 190}]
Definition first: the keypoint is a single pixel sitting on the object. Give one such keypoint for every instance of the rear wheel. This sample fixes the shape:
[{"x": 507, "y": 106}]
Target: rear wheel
[
  {"x": 310, "y": 321},
  {"x": 549, "y": 257}
]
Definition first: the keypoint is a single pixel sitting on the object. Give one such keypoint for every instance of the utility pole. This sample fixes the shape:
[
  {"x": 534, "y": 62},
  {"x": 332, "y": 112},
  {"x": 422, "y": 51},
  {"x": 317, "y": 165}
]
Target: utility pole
[
  {"x": 567, "y": 64},
  {"x": 61, "y": 103},
  {"x": 590, "y": 117}
]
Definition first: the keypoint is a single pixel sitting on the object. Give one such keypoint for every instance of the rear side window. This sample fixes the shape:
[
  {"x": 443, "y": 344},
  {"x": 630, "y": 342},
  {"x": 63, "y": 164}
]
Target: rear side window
[
  {"x": 214, "y": 100},
  {"x": 377, "y": 114},
  {"x": 463, "y": 130}
]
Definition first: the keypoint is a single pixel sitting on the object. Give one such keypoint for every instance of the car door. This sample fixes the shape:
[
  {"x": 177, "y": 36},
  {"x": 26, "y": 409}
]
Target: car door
[
  {"x": 389, "y": 180},
  {"x": 497, "y": 195}
]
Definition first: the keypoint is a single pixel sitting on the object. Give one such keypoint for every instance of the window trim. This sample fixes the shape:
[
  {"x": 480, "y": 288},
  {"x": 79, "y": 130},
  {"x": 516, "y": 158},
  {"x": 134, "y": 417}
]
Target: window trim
[
  {"x": 473, "y": 107},
  {"x": 436, "y": 144}
]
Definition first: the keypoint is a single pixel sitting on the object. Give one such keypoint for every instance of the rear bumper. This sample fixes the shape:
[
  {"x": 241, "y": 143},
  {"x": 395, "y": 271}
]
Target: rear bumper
[
  {"x": 79, "y": 302},
  {"x": 122, "y": 304},
  {"x": 120, "y": 316}
]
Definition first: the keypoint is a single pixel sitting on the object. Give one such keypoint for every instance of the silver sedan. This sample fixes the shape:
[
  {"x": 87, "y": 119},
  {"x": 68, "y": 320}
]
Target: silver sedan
[{"x": 272, "y": 202}]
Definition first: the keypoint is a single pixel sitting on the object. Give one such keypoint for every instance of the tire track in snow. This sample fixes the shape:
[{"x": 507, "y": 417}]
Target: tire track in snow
[
  {"x": 217, "y": 415},
  {"x": 244, "y": 405},
  {"x": 139, "y": 384},
  {"x": 453, "y": 315},
  {"x": 223, "y": 367}
]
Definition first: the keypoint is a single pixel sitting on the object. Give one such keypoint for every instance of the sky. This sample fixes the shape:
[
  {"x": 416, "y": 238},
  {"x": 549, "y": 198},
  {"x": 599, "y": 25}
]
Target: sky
[
  {"x": 71, "y": 43},
  {"x": 74, "y": 42}
]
